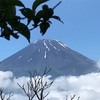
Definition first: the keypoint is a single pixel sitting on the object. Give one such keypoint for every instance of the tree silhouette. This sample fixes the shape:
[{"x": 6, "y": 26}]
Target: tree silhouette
[
  {"x": 12, "y": 24},
  {"x": 3, "y": 96},
  {"x": 36, "y": 86}
]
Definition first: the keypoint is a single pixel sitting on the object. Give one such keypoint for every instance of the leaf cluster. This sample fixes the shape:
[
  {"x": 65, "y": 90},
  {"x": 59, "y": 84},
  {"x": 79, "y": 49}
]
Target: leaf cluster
[{"x": 12, "y": 24}]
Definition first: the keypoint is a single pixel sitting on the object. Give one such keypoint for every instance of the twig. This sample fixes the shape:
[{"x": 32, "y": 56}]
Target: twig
[{"x": 57, "y": 4}]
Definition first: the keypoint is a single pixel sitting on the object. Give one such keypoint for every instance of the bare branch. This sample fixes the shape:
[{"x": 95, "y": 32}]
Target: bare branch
[
  {"x": 57, "y": 5},
  {"x": 3, "y": 96},
  {"x": 10, "y": 95},
  {"x": 72, "y": 97},
  {"x": 28, "y": 92},
  {"x": 78, "y": 98},
  {"x": 36, "y": 86}
]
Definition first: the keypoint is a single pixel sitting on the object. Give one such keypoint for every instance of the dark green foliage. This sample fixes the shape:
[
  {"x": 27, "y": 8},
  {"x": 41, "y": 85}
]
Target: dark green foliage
[
  {"x": 12, "y": 24},
  {"x": 43, "y": 27},
  {"x": 36, "y": 3},
  {"x": 27, "y": 12},
  {"x": 57, "y": 18}
]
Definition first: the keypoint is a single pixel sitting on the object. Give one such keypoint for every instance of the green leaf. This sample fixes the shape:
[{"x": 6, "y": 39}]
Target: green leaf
[
  {"x": 37, "y": 3},
  {"x": 19, "y": 3},
  {"x": 57, "y": 18},
  {"x": 15, "y": 35},
  {"x": 48, "y": 14},
  {"x": 7, "y": 9},
  {"x": 23, "y": 29},
  {"x": 15, "y": 22},
  {"x": 36, "y": 22},
  {"x": 10, "y": 12},
  {"x": 28, "y": 21},
  {"x": 27, "y": 12},
  {"x": 44, "y": 27},
  {"x": 16, "y": 3},
  {"x": 40, "y": 14},
  {"x": 45, "y": 13},
  {"x": 6, "y": 33},
  {"x": 45, "y": 7}
]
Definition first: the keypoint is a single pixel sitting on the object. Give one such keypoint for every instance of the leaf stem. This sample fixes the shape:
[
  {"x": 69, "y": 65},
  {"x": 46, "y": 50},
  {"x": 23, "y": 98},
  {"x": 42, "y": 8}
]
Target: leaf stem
[{"x": 57, "y": 4}]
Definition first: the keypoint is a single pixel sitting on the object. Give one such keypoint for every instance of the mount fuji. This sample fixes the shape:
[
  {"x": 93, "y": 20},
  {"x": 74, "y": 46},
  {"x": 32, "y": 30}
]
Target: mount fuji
[{"x": 51, "y": 54}]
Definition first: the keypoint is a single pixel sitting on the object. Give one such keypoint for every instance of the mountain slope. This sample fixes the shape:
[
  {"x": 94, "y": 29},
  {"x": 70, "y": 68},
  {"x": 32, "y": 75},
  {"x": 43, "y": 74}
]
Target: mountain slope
[{"x": 51, "y": 54}]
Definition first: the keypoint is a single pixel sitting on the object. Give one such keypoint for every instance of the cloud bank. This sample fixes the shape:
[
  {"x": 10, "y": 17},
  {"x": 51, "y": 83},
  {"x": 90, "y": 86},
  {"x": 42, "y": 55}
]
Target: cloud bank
[{"x": 87, "y": 87}]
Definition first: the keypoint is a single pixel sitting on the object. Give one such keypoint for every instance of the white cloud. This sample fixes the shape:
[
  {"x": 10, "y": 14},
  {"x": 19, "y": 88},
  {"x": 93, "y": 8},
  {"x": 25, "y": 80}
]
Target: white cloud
[
  {"x": 19, "y": 97},
  {"x": 6, "y": 74},
  {"x": 5, "y": 79},
  {"x": 98, "y": 64},
  {"x": 87, "y": 87}
]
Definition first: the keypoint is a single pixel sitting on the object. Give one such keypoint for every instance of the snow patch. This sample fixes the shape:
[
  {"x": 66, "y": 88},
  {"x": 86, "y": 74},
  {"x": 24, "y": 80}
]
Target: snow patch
[
  {"x": 19, "y": 57},
  {"x": 55, "y": 40},
  {"x": 29, "y": 59},
  {"x": 35, "y": 41},
  {"x": 39, "y": 50},
  {"x": 49, "y": 41},
  {"x": 45, "y": 54},
  {"x": 53, "y": 46},
  {"x": 46, "y": 46},
  {"x": 63, "y": 45}
]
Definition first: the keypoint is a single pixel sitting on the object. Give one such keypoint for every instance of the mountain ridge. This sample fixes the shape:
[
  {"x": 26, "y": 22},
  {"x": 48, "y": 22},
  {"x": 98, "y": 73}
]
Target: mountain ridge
[{"x": 51, "y": 54}]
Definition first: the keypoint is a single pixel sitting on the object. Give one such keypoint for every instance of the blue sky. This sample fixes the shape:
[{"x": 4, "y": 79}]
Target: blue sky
[{"x": 80, "y": 31}]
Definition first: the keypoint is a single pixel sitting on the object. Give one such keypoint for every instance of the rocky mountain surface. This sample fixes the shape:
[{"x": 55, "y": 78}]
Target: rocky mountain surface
[{"x": 51, "y": 54}]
